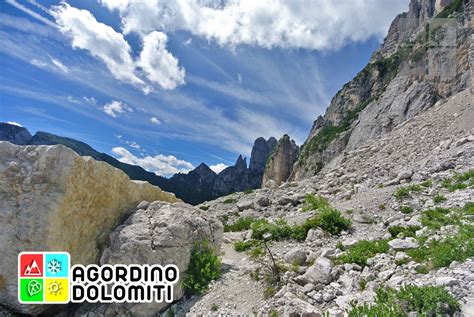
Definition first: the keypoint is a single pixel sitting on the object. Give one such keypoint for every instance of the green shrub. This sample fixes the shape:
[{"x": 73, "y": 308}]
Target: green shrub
[
  {"x": 248, "y": 191},
  {"x": 362, "y": 284},
  {"x": 454, "y": 6},
  {"x": 330, "y": 220},
  {"x": 240, "y": 224},
  {"x": 468, "y": 208},
  {"x": 459, "y": 181},
  {"x": 436, "y": 254},
  {"x": 375, "y": 310},
  {"x": 427, "y": 183},
  {"x": 229, "y": 201},
  {"x": 438, "y": 198},
  {"x": 241, "y": 246},
  {"x": 414, "y": 188},
  {"x": 204, "y": 267},
  {"x": 382, "y": 206},
  {"x": 362, "y": 251},
  {"x": 406, "y": 209},
  {"x": 409, "y": 231},
  {"x": 313, "y": 202},
  {"x": 425, "y": 300},
  {"x": 401, "y": 193},
  {"x": 205, "y": 208},
  {"x": 422, "y": 269},
  {"x": 278, "y": 230},
  {"x": 438, "y": 217}
]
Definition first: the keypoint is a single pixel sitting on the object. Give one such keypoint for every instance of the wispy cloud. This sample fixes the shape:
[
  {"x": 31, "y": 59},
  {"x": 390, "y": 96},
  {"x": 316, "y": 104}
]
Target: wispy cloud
[{"x": 31, "y": 13}]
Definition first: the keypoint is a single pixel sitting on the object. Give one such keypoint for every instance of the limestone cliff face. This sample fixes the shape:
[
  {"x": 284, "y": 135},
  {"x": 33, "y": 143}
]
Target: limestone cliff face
[
  {"x": 280, "y": 163},
  {"x": 424, "y": 58},
  {"x": 261, "y": 150},
  {"x": 52, "y": 199}
]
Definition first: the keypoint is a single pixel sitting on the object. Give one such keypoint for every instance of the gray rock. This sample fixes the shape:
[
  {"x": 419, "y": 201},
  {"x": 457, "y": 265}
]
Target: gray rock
[
  {"x": 319, "y": 272},
  {"x": 446, "y": 281},
  {"x": 162, "y": 234},
  {"x": 403, "y": 244},
  {"x": 314, "y": 235},
  {"x": 245, "y": 204},
  {"x": 296, "y": 256},
  {"x": 405, "y": 174},
  {"x": 263, "y": 201}
]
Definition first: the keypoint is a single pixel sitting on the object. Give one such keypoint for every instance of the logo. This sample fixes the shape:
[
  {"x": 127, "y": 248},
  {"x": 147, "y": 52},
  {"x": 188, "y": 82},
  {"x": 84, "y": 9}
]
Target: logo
[
  {"x": 43, "y": 277},
  {"x": 48, "y": 278}
]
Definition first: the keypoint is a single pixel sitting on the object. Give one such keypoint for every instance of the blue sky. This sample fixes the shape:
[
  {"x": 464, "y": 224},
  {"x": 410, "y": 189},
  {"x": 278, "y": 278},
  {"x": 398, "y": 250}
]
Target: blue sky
[{"x": 169, "y": 84}]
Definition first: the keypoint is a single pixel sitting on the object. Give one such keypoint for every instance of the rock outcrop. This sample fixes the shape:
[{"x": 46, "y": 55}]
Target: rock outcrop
[
  {"x": 261, "y": 150},
  {"x": 160, "y": 233},
  {"x": 280, "y": 163},
  {"x": 424, "y": 58},
  {"x": 52, "y": 199}
]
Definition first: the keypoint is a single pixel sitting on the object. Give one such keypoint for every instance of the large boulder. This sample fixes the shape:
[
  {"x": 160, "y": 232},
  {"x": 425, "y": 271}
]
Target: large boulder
[
  {"x": 52, "y": 199},
  {"x": 163, "y": 234}
]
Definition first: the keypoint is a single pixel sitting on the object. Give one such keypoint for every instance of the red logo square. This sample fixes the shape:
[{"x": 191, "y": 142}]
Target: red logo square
[{"x": 31, "y": 265}]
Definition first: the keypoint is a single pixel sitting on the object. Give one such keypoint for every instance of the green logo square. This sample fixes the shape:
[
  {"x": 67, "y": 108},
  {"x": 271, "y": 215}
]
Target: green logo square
[{"x": 31, "y": 289}]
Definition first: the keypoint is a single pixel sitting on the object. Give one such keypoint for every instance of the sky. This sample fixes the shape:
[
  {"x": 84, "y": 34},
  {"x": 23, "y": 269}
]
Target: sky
[{"x": 170, "y": 84}]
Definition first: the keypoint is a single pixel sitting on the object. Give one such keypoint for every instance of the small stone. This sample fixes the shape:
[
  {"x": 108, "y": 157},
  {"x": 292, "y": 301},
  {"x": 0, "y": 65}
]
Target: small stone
[
  {"x": 446, "y": 281},
  {"x": 244, "y": 205},
  {"x": 403, "y": 244}
]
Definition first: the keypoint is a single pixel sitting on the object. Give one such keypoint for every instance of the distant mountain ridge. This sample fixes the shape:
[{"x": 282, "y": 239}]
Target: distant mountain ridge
[{"x": 197, "y": 186}]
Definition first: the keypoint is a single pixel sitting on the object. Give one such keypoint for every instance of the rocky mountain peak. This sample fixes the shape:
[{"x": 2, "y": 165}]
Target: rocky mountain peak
[
  {"x": 13, "y": 133},
  {"x": 204, "y": 171},
  {"x": 241, "y": 163},
  {"x": 261, "y": 150}
]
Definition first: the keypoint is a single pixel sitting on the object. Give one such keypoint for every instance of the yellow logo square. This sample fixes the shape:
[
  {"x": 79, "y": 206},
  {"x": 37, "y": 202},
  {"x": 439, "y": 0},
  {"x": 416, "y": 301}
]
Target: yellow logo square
[{"x": 56, "y": 290}]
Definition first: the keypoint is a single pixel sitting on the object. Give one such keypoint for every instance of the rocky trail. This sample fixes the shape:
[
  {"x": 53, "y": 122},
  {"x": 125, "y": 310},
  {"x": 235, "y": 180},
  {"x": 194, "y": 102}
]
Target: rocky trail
[{"x": 386, "y": 188}]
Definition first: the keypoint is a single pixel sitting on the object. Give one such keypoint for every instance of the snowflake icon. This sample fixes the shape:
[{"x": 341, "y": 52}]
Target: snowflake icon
[{"x": 54, "y": 266}]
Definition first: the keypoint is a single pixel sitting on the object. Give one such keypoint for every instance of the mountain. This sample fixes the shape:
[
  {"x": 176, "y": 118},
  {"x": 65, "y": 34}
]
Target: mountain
[
  {"x": 423, "y": 60},
  {"x": 14, "y": 134},
  {"x": 198, "y": 185}
]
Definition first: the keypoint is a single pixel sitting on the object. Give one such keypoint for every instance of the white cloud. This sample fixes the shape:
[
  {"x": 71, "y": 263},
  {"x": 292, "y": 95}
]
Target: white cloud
[
  {"x": 38, "y": 63},
  {"x": 90, "y": 100},
  {"x": 159, "y": 65},
  {"x": 187, "y": 42},
  {"x": 159, "y": 164},
  {"x": 312, "y": 24},
  {"x": 102, "y": 41},
  {"x": 14, "y": 123},
  {"x": 114, "y": 108},
  {"x": 155, "y": 120},
  {"x": 133, "y": 144},
  {"x": 218, "y": 167},
  {"x": 60, "y": 65},
  {"x": 154, "y": 66}
]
